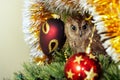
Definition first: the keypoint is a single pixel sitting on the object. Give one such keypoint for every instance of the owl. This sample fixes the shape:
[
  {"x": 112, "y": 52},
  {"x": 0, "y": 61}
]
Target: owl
[{"x": 78, "y": 32}]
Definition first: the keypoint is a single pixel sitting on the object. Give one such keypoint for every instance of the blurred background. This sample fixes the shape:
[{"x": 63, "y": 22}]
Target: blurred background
[{"x": 13, "y": 50}]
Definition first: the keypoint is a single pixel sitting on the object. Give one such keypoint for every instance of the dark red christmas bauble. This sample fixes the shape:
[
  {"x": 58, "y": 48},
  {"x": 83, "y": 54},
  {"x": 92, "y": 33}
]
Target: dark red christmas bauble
[
  {"x": 52, "y": 35},
  {"x": 82, "y": 67}
]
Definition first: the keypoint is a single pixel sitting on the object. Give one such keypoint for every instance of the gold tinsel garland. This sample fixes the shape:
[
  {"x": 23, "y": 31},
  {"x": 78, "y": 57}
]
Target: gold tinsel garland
[
  {"x": 106, "y": 15},
  {"x": 109, "y": 13}
]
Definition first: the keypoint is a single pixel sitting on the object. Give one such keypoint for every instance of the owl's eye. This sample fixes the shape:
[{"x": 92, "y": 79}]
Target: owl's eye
[
  {"x": 73, "y": 27},
  {"x": 84, "y": 26}
]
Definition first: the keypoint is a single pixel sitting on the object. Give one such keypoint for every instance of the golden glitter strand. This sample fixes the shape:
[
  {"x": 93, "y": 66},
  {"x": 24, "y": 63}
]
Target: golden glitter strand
[
  {"x": 88, "y": 49},
  {"x": 88, "y": 19},
  {"x": 65, "y": 56}
]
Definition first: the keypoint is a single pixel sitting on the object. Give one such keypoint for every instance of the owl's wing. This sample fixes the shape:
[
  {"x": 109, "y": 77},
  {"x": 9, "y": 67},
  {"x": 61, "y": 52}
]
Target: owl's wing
[{"x": 106, "y": 15}]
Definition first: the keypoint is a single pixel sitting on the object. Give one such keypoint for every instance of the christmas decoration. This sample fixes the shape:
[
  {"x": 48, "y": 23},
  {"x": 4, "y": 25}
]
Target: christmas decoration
[
  {"x": 82, "y": 67},
  {"x": 34, "y": 15},
  {"x": 55, "y": 70},
  {"x": 91, "y": 26},
  {"x": 52, "y": 35},
  {"x": 106, "y": 20}
]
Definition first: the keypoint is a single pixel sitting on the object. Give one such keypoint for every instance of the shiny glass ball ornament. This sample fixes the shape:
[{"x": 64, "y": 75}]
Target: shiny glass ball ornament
[
  {"x": 81, "y": 66},
  {"x": 52, "y": 35}
]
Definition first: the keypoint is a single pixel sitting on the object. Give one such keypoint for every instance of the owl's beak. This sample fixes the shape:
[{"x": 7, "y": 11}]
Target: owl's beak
[{"x": 80, "y": 33}]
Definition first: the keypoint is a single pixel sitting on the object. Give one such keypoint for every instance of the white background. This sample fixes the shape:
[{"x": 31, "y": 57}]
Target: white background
[{"x": 13, "y": 50}]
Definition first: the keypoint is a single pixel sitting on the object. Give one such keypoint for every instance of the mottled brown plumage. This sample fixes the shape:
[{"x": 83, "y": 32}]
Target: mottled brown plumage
[{"x": 78, "y": 31}]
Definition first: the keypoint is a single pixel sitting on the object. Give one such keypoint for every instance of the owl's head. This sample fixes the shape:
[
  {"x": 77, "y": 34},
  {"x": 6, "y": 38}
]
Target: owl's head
[{"x": 78, "y": 28}]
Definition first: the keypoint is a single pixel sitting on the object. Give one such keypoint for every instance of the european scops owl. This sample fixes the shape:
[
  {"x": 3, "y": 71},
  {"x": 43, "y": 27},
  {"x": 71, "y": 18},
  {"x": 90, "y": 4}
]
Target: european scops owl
[{"x": 78, "y": 31}]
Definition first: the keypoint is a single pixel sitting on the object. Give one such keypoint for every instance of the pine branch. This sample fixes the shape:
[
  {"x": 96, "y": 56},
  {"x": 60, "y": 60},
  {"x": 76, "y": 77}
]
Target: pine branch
[
  {"x": 59, "y": 55},
  {"x": 110, "y": 70},
  {"x": 55, "y": 70}
]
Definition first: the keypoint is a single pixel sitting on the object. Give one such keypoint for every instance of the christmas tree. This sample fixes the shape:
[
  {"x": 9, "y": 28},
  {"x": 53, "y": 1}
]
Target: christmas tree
[{"x": 72, "y": 40}]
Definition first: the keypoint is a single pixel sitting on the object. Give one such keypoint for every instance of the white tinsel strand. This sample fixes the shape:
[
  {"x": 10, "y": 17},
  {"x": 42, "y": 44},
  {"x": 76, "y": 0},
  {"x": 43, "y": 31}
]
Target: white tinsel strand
[
  {"x": 61, "y": 6},
  {"x": 29, "y": 34}
]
